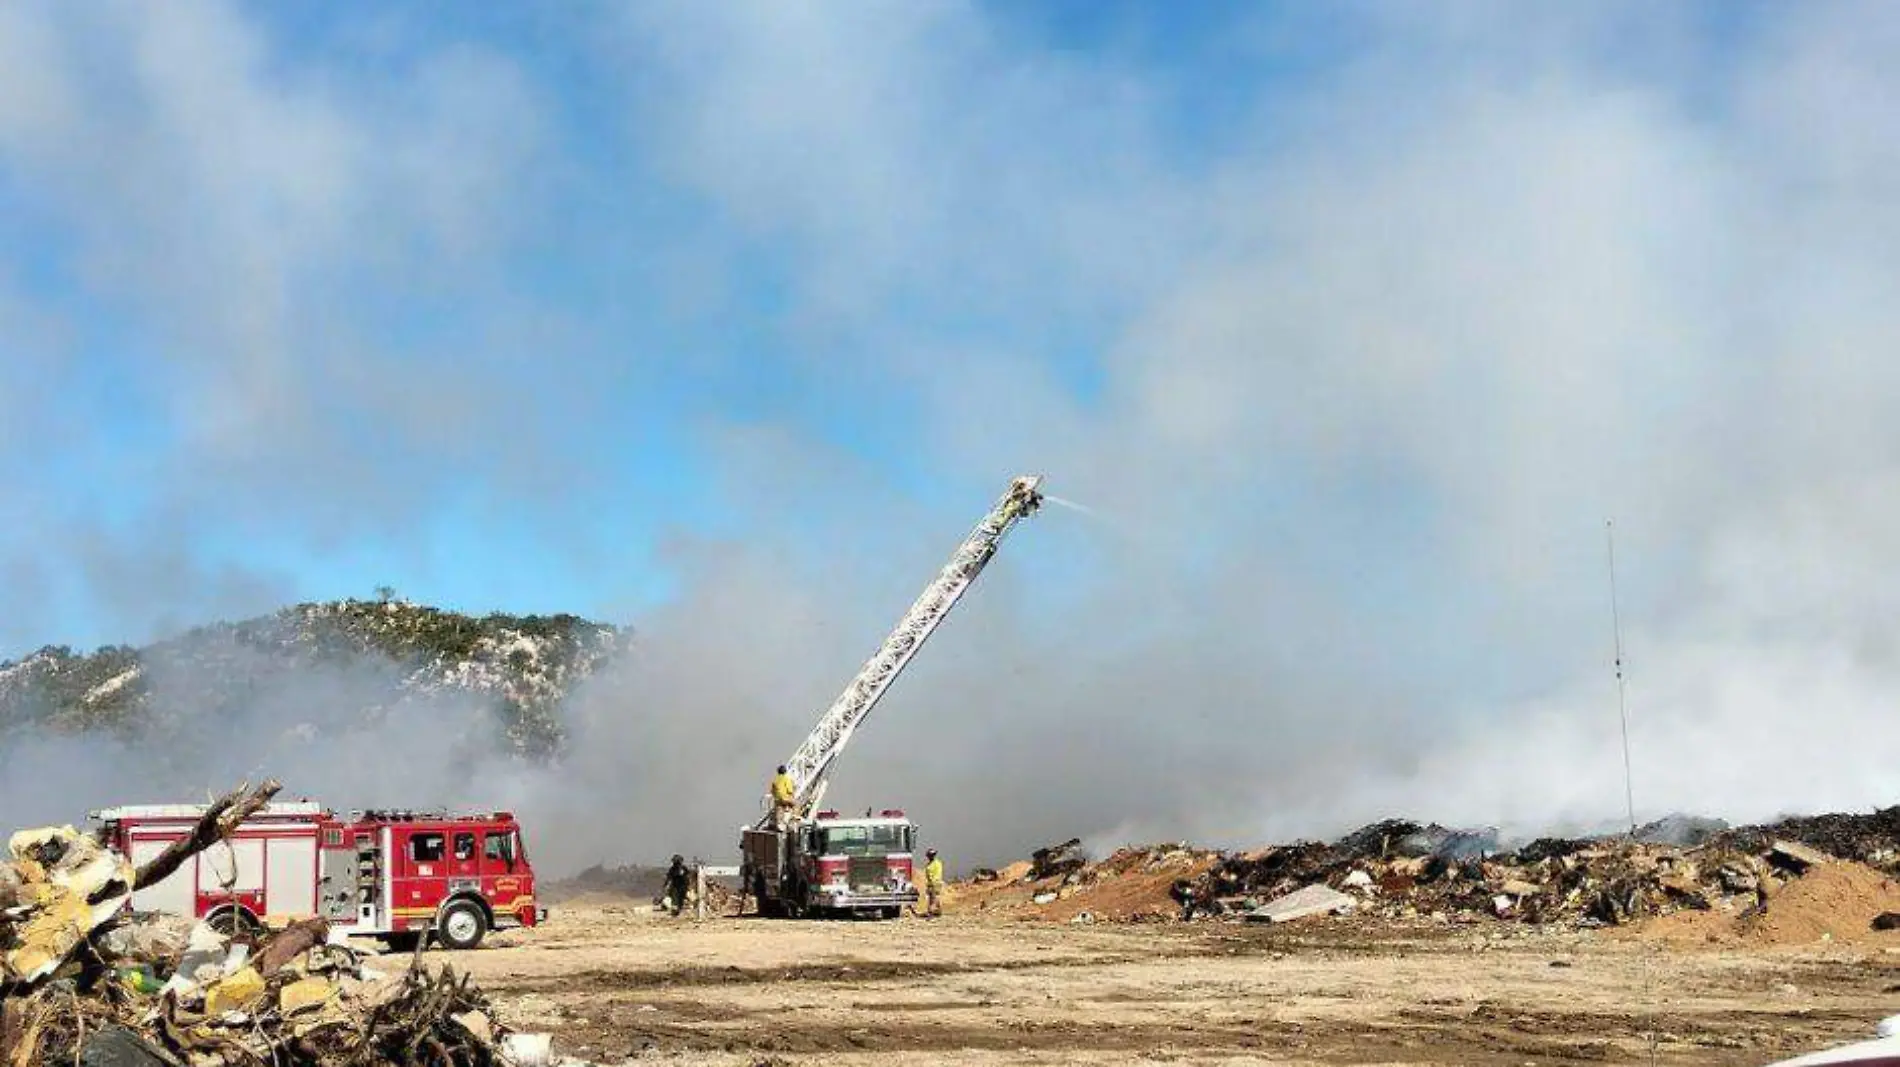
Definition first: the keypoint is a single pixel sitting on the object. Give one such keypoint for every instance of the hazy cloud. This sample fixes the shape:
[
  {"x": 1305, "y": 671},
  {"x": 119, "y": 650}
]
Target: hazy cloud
[{"x": 1352, "y": 375}]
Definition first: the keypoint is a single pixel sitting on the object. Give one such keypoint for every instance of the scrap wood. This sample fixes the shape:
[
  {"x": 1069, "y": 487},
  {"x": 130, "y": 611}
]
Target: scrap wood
[
  {"x": 289, "y": 943},
  {"x": 21, "y": 1024},
  {"x": 1057, "y": 860},
  {"x": 217, "y": 823}
]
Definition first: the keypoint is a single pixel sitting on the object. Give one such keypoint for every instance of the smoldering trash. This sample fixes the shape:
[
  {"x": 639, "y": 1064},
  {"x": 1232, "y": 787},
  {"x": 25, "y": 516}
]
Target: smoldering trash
[{"x": 1408, "y": 871}]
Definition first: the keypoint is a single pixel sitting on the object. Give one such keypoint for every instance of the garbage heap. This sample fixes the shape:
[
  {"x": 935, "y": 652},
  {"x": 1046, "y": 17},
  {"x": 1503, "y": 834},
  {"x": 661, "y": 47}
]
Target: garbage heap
[
  {"x": 1406, "y": 870},
  {"x": 1417, "y": 872},
  {"x": 84, "y": 980},
  {"x": 1872, "y": 838}
]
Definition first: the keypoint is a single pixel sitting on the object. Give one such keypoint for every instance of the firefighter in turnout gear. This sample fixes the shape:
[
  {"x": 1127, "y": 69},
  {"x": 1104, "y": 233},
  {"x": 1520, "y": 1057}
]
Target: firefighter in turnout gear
[
  {"x": 784, "y": 799},
  {"x": 933, "y": 885}
]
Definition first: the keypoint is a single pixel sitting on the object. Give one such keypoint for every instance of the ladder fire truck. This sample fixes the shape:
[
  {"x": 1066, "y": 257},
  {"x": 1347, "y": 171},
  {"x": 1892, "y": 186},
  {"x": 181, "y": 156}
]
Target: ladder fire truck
[
  {"x": 390, "y": 874},
  {"x": 817, "y": 862}
]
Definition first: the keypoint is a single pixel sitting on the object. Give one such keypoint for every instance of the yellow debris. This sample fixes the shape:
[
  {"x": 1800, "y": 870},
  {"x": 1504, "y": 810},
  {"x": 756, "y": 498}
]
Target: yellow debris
[
  {"x": 304, "y": 994},
  {"x": 48, "y": 935},
  {"x": 236, "y": 993}
]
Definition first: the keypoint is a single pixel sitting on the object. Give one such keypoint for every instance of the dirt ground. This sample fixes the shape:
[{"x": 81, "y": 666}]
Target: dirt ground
[{"x": 614, "y": 982}]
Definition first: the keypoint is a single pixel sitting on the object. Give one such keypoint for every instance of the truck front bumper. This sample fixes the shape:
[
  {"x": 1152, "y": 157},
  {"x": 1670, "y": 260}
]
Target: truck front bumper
[{"x": 896, "y": 898}]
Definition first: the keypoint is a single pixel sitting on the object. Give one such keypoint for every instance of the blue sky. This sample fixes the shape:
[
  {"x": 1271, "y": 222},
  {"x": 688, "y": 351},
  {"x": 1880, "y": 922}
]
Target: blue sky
[
  {"x": 593, "y": 354},
  {"x": 1352, "y": 321}
]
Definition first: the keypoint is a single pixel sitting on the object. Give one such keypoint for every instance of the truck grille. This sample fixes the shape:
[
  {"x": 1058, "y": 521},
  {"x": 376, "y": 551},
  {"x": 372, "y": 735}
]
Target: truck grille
[{"x": 868, "y": 872}]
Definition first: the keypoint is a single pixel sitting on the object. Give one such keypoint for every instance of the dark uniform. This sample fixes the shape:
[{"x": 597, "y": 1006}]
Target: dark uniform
[{"x": 676, "y": 879}]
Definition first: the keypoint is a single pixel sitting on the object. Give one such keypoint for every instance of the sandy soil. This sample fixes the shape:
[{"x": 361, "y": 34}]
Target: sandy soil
[{"x": 613, "y": 982}]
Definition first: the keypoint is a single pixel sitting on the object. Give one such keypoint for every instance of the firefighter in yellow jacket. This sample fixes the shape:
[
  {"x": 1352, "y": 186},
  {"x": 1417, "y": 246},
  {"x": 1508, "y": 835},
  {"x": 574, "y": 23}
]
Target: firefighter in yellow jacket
[
  {"x": 784, "y": 798},
  {"x": 933, "y": 885}
]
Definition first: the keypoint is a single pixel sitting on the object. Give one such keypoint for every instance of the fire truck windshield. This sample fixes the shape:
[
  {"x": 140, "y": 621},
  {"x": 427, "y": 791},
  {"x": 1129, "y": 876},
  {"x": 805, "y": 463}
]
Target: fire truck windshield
[{"x": 866, "y": 840}]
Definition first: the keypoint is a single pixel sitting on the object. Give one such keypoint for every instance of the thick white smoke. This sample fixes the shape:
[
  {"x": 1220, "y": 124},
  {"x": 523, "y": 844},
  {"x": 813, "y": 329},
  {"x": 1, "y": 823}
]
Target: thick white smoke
[{"x": 1352, "y": 363}]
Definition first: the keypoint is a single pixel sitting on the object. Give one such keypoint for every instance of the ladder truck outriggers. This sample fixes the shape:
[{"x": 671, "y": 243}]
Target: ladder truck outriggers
[{"x": 809, "y": 862}]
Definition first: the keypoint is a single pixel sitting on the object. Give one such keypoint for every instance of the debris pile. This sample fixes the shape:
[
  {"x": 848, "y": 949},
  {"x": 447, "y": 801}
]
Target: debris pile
[
  {"x": 1133, "y": 884},
  {"x": 84, "y": 980},
  {"x": 1057, "y": 861},
  {"x": 1398, "y": 869},
  {"x": 1873, "y": 838}
]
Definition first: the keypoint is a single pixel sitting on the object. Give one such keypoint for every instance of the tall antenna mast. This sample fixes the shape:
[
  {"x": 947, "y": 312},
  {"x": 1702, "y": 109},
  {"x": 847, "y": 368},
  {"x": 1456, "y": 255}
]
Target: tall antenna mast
[{"x": 1622, "y": 697}]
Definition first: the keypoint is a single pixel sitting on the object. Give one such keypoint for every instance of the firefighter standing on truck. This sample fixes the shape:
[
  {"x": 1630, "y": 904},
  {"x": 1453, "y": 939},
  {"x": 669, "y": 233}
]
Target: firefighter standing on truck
[
  {"x": 784, "y": 798},
  {"x": 933, "y": 885}
]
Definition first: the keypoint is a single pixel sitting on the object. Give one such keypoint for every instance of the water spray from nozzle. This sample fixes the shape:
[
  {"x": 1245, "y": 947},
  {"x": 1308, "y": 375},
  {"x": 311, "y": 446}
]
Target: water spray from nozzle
[{"x": 1051, "y": 498}]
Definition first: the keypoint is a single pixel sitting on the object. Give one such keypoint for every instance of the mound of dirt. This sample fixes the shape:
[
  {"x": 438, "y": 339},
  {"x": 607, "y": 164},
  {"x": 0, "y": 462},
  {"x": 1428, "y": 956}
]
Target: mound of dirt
[
  {"x": 1837, "y": 901},
  {"x": 1131, "y": 885},
  {"x": 1834, "y": 902}
]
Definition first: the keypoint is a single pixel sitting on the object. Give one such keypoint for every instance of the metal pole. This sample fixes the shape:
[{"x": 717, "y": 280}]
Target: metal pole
[
  {"x": 1622, "y": 699},
  {"x": 699, "y": 892}
]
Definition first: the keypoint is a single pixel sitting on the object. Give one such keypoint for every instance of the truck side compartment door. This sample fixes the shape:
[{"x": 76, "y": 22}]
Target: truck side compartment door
[
  {"x": 420, "y": 872},
  {"x": 464, "y": 859},
  {"x": 505, "y": 887}
]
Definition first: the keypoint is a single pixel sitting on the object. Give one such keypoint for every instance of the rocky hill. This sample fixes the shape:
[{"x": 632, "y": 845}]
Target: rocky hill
[{"x": 336, "y": 661}]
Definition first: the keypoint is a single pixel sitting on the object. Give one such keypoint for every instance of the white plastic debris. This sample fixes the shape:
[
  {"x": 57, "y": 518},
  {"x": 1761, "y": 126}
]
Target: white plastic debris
[
  {"x": 1316, "y": 899},
  {"x": 528, "y": 1050}
]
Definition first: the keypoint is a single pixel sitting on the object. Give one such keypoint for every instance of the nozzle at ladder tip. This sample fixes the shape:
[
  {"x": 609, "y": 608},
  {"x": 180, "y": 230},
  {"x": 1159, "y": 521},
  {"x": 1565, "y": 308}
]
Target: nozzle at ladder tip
[{"x": 1028, "y": 486}]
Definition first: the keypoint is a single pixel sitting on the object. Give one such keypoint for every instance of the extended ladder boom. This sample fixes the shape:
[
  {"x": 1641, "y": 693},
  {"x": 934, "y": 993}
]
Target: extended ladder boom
[{"x": 809, "y": 765}]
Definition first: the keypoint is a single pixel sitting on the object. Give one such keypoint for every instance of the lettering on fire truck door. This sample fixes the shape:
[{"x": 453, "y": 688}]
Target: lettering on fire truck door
[{"x": 499, "y": 882}]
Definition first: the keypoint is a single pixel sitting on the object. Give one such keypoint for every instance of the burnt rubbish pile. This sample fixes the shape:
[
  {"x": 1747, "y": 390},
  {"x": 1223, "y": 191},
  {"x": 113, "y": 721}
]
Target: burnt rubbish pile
[
  {"x": 85, "y": 980},
  {"x": 1400, "y": 869},
  {"x": 1872, "y": 838}
]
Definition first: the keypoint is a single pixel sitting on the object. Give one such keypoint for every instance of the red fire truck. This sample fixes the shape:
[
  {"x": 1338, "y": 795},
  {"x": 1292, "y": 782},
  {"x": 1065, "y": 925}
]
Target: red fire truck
[
  {"x": 389, "y": 874},
  {"x": 833, "y": 865}
]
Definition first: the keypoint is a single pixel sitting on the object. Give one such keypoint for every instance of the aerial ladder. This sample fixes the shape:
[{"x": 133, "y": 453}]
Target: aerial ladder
[{"x": 810, "y": 766}]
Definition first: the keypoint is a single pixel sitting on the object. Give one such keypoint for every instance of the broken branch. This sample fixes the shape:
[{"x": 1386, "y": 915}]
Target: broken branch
[{"x": 216, "y": 824}]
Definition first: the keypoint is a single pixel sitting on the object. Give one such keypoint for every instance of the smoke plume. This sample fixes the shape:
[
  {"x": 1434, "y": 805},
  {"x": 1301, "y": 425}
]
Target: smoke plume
[{"x": 1351, "y": 359}]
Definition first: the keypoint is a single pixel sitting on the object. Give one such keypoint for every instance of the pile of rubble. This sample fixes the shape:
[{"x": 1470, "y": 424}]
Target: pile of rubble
[
  {"x": 1873, "y": 839},
  {"x": 1405, "y": 870},
  {"x": 84, "y": 980},
  {"x": 1414, "y": 873}
]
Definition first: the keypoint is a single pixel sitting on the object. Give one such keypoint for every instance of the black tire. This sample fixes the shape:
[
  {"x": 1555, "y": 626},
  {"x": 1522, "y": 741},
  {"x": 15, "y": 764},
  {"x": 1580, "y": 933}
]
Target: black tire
[
  {"x": 461, "y": 926},
  {"x": 792, "y": 905},
  {"x": 233, "y": 921}
]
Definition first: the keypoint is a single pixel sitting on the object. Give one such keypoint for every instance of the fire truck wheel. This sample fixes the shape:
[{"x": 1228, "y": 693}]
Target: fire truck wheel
[
  {"x": 462, "y": 925},
  {"x": 233, "y": 921}
]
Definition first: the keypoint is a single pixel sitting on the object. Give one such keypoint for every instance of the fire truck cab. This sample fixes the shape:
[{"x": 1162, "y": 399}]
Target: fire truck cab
[
  {"x": 388, "y": 874},
  {"x": 831, "y": 865}
]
